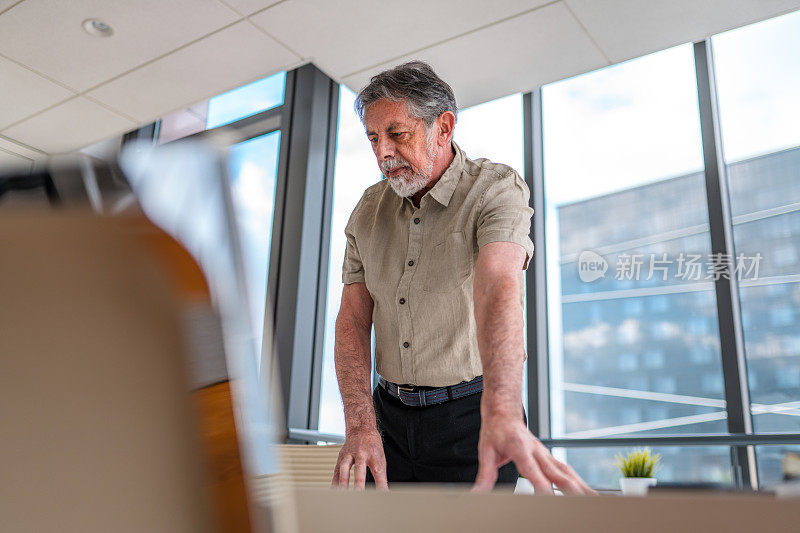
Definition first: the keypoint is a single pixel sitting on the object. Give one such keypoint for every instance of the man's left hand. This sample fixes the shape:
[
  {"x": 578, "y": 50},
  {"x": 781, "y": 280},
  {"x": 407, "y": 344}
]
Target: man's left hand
[{"x": 505, "y": 438}]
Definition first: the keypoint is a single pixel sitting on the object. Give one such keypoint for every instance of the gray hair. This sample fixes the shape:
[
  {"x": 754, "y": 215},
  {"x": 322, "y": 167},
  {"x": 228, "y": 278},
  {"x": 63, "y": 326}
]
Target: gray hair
[{"x": 426, "y": 95}]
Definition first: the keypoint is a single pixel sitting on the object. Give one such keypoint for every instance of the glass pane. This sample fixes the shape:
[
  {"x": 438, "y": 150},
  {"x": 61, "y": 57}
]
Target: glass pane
[
  {"x": 634, "y": 342},
  {"x": 679, "y": 464},
  {"x": 494, "y": 130},
  {"x": 770, "y": 463},
  {"x": 355, "y": 169},
  {"x": 253, "y": 171},
  {"x": 179, "y": 187},
  {"x": 247, "y": 100},
  {"x": 758, "y": 80},
  {"x": 223, "y": 109}
]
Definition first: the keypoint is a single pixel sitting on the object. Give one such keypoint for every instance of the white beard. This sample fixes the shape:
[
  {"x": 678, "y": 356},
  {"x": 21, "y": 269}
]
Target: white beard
[{"x": 408, "y": 183}]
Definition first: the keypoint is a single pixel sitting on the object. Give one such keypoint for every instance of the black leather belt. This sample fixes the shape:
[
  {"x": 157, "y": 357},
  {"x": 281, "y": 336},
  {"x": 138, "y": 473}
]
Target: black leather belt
[{"x": 423, "y": 396}]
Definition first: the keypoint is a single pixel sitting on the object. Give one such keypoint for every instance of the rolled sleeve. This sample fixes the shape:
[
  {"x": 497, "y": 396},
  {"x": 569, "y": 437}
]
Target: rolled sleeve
[
  {"x": 505, "y": 215},
  {"x": 352, "y": 268}
]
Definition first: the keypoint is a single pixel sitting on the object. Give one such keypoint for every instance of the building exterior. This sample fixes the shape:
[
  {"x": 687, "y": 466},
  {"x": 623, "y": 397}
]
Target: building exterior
[{"x": 640, "y": 345}]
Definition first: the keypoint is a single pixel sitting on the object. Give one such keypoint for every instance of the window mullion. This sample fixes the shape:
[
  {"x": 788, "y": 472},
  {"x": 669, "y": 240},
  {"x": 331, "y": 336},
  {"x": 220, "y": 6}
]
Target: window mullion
[
  {"x": 727, "y": 291},
  {"x": 535, "y": 283}
]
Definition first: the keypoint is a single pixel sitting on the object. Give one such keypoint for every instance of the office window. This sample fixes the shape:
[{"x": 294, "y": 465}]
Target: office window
[
  {"x": 758, "y": 80},
  {"x": 769, "y": 460},
  {"x": 223, "y": 109},
  {"x": 628, "y": 263},
  {"x": 253, "y": 171},
  {"x": 246, "y": 100},
  {"x": 684, "y": 464},
  {"x": 355, "y": 170},
  {"x": 492, "y": 130}
]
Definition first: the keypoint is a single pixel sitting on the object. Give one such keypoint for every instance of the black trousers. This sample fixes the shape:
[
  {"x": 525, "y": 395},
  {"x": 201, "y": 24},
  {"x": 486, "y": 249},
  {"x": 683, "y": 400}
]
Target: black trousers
[{"x": 436, "y": 443}]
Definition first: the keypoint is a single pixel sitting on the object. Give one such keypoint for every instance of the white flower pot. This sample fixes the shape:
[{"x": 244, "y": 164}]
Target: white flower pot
[
  {"x": 636, "y": 486},
  {"x": 523, "y": 486}
]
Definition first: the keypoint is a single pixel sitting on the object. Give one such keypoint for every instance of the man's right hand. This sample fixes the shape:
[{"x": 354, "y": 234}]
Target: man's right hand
[
  {"x": 362, "y": 449},
  {"x": 363, "y": 446}
]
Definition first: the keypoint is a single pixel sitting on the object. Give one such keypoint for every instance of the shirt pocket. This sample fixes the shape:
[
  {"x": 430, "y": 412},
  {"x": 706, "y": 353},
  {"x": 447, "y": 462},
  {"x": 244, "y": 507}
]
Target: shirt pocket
[{"x": 450, "y": 264}]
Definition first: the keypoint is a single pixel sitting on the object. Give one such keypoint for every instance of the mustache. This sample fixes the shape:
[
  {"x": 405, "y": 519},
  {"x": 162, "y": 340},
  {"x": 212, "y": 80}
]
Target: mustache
[{"x": 388, "y": 165}]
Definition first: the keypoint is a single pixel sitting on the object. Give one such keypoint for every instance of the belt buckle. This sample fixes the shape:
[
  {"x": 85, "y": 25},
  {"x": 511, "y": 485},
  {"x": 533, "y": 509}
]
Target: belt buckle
[{"x": 420, "y": 394}]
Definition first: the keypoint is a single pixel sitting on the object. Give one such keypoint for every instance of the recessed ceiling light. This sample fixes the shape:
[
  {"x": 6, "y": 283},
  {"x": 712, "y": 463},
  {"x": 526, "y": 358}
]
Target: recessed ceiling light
[{"x": 98, "y": 28}]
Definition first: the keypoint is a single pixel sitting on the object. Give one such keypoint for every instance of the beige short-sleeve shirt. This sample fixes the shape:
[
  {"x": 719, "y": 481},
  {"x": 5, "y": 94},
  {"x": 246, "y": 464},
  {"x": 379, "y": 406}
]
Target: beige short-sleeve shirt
[{"x": 418, "y": 265}]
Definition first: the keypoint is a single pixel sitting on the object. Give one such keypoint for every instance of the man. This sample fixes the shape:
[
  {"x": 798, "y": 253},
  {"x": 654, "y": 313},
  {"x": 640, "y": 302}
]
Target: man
[{"x": 434, "y": 258}]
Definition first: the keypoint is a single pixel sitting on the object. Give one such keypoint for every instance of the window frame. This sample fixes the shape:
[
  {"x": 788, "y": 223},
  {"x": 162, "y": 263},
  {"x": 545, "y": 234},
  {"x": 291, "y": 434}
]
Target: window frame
[{"x": 297, "y": 275}]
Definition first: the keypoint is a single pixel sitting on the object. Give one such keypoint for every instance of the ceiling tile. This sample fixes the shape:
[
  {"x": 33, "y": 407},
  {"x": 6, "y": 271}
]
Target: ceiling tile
[
  {"x": 248, "y": 7},
  {"x": 25, "y": 93},
  {"x": 516, "y": 55},
  {"x": 47, "y": 35},
  {"x": 69, "y": 126},
  {"x": 349, "y": 35},
  {"x": 630, "y": 28},
  {"x": 223, "y": 61},
  {"x": 14, "y": 147},
  {"x": 13, "y": 163},
  {"x": 5, "y": 4}
]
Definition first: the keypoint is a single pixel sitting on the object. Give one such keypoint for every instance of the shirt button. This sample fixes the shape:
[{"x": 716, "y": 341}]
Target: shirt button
[
  {"x": 416, "y": 221},
  {"x": 406, "y": 345},
  {"x": 402, "y": 301},
  {"x": 411, "y": 263}
]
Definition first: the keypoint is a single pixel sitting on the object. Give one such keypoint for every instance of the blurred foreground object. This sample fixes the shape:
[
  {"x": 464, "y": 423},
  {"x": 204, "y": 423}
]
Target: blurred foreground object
[
  {"x": 791, "y": 466},
  {"x": 99, "y": 433},
  {"x": 71, "y": 181},
  {"x": 791, "y": 476},
  {"x": 183, "y": 190}
]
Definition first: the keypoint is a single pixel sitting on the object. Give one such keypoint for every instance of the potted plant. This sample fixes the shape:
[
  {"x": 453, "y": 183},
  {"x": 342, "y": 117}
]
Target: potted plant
[{"x": 637, "y": 470}]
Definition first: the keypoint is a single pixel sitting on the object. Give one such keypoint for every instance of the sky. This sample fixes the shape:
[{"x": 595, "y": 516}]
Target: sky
[
  {"x": 253, "y": 171},
  {"x": 758, "y": 83},
  {"x": 246, "y": 100},
  {"x": 621, "y": 127},
  {"x": 355, "y": 169}
]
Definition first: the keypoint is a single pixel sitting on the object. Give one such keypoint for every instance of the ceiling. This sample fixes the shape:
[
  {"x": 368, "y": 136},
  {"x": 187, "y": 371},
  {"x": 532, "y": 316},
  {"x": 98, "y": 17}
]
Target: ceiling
[{"x": 62, "y": 89}]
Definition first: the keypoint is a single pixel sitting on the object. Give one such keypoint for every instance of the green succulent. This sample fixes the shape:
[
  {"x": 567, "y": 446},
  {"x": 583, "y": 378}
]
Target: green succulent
[{"x": 638, "y": 463}]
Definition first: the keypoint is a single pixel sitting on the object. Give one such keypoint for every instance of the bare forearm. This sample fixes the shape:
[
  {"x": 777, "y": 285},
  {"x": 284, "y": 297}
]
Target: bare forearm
[
  {"x": 353, "y": 371},
  {"x": 498, "y": 315}
]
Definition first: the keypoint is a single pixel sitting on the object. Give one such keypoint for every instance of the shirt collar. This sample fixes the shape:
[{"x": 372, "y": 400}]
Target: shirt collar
[{"x": 444, "y": 188}]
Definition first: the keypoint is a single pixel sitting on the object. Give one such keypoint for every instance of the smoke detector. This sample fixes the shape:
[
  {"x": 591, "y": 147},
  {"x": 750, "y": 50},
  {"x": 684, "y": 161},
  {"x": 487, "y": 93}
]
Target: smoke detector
[{"x": 98, "y": 28}]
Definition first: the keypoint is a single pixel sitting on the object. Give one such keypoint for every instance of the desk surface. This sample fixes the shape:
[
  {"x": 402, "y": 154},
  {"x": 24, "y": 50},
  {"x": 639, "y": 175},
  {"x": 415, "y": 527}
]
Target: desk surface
[{"x": 454, "y": 511}]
